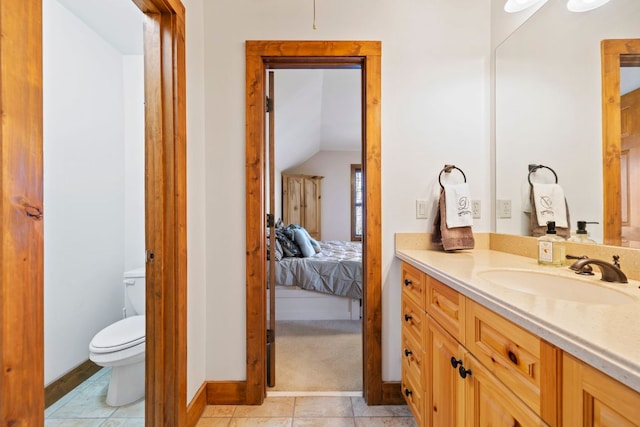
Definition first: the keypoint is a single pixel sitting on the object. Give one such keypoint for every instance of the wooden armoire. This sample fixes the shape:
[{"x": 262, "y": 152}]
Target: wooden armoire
[{"x": 302, "y": 202}]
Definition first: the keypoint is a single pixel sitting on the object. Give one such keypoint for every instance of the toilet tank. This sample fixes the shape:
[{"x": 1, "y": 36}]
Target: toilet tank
[{"x": 134, "y": 291}]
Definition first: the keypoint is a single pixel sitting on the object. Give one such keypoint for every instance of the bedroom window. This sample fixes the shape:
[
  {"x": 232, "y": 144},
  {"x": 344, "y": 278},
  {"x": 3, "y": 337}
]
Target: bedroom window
[{"x": 356, "y": 202}]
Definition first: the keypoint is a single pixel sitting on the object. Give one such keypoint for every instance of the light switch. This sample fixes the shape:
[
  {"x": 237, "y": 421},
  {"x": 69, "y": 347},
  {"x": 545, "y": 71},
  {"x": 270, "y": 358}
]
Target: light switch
[{"x": 421, "y": 209}]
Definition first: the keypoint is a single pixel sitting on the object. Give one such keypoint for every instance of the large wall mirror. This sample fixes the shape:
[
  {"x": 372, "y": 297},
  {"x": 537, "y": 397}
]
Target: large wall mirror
[{"x": 549, "y": 108}]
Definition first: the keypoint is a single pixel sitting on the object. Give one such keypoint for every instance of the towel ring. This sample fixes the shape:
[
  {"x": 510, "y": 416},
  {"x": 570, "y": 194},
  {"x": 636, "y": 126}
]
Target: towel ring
[
  {"x": 534, "y": 168},
  {"x": 448, "y": 169}
]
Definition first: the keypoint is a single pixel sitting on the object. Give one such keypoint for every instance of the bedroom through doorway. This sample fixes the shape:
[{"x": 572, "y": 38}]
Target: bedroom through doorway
[{"x": 314, "y": 192}]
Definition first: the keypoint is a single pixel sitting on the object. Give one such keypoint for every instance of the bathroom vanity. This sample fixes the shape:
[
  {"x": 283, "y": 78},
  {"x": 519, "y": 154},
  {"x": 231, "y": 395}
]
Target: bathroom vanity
[{"x": 478, "y": 350}]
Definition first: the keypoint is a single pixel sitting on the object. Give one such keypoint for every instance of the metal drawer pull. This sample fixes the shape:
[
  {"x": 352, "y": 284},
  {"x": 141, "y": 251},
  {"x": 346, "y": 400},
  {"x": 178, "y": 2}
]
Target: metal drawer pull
[
  {"x": 407, "y": 282},
  {"x": 464, "y": 372},
  {"x": 407, "y": 317},
  {"x": 407, "y": 392},
  {"x": 407, "y": 352},
  {"x": 513, "y": 357},
  {"x": 455, "y": 362}
]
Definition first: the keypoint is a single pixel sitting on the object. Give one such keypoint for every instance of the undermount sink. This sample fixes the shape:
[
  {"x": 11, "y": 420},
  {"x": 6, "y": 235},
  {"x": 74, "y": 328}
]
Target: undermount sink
[{"x": 552, "y": 286}]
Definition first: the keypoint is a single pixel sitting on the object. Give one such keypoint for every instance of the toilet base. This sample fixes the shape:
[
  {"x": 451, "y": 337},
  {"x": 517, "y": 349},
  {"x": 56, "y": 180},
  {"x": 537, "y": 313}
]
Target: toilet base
[{"x": 126, "y": 384}]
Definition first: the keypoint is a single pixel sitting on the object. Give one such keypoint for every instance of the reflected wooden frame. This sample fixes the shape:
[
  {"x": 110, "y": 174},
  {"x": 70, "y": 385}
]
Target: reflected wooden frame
[{"x": 614, "y": 54}]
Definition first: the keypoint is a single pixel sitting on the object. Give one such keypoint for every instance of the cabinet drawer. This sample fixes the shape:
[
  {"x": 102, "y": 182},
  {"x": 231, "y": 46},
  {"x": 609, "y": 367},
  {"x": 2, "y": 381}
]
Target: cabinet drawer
[
  {"x": 510, "y": 352},
  {"x": 414, "y": 283},
  {"x": 414, "y": 396},
  {"x": 446, "y": 306},
  {"x": 494, "y": 404},
  {"x": 413, "y": 320},
  {"x": 413, "y": 358}
]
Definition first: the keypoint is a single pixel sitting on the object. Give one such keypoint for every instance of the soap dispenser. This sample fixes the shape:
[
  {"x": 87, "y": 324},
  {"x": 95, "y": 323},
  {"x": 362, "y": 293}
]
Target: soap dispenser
[
  {"x": 550, "y": 248},
  {"x": 582, "y": 236}
]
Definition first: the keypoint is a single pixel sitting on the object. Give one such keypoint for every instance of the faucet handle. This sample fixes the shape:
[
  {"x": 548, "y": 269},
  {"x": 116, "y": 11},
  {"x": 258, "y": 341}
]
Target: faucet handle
[
  {"x": 616, "y": 260},
  {"x": 585, "y": 270}
]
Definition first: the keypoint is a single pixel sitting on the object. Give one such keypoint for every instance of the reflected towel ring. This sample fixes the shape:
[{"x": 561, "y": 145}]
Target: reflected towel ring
[
  {"x": 448, "y": 169},
  {"x": 534, "y": 168}
]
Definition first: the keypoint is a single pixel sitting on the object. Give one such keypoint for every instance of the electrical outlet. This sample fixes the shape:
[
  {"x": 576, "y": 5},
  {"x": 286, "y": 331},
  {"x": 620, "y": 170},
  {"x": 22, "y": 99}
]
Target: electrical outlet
[
  {"x": 421, "y": 209},
  {"x": 475, "y": 209},
  {"x": 503, "y": 208}
]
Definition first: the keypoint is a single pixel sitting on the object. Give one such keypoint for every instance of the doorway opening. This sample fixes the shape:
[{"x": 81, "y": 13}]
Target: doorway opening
[
  {"x": 21, "y": 390},
  {"x": 261, "y": 55},
  {"x": 94, "y": 193},
  {"x": 315, "y": 143}
]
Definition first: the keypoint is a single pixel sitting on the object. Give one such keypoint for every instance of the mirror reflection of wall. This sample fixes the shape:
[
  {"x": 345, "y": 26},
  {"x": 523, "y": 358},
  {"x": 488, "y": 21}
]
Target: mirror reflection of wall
[{"x": 548, "y": 106}]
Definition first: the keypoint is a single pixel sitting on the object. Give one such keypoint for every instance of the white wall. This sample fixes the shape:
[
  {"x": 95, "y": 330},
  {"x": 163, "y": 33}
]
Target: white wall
[
  {"x": 435, "y": 103},
  {"x": 335, "y": 167},
  {"x": 84, "y": 186},
  {"x": 197, "y": 310},
  {"x": 133, "y": 74}
]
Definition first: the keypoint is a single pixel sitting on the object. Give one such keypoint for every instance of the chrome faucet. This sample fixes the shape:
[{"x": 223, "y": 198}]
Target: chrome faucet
[{"x": 610, "y": 272}]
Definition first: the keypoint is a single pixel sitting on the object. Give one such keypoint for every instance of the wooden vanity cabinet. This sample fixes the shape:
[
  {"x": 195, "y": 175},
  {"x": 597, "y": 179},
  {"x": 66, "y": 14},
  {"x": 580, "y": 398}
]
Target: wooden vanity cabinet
[
  {"x": 593, "y": 399},
  {"x": 461, "y": 388}
]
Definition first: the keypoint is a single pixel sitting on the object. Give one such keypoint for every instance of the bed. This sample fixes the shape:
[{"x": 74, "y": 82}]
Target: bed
[
  {"x": 335, "y": 270},
  {"x": 324, "y": 285}
]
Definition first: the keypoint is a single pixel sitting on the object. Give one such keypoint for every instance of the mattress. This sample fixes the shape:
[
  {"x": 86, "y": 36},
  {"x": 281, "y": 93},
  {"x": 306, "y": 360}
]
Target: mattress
[{"x": 336, "y": 270}]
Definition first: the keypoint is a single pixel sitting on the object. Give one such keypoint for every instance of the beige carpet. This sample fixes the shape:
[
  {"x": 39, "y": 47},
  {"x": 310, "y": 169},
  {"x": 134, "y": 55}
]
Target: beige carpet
[{"x": 318, "y": 355}]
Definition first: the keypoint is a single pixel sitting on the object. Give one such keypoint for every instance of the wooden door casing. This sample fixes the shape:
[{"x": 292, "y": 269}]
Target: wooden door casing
[{"x": 291, "y": 54}]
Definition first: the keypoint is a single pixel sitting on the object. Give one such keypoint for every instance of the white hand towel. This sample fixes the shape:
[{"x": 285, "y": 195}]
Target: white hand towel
[
  {"x": 458, "y": 205},
  {"x": 550, "y": 204}
]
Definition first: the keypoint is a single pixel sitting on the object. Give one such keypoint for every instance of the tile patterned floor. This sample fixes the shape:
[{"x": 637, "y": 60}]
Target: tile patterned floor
[
  {"x": 85, "y": 407},
  {"x": 308, "y": 412}
]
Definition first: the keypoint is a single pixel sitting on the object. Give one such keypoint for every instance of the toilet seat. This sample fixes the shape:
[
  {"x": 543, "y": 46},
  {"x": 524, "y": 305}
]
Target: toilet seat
[{"x": 123, "y": 334}]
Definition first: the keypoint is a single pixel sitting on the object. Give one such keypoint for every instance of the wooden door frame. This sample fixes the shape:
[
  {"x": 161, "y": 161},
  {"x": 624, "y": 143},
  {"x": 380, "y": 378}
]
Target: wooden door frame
[
  {"x": 314, "y": 54},
  {"x": 611, "y": 50},
  {"x": 21, "y": 251}
]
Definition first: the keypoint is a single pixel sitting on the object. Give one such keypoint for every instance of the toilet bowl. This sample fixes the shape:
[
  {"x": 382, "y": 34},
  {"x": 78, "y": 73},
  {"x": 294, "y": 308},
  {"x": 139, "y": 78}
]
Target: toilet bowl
[{"x": 121, "y": 346}]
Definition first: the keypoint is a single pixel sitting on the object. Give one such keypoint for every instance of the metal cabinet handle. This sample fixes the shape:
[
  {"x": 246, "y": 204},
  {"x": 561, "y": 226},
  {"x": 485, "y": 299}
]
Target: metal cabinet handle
[
  {"x": 464, "y": 372},
  {"x": 455, "y": 362}
]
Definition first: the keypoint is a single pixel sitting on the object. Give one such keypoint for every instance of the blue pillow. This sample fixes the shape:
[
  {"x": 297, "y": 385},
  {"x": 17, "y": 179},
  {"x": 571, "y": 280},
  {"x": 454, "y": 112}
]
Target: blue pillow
[
  {"x": 302, "y": 240},
  {"x": 314, "y": 243}
]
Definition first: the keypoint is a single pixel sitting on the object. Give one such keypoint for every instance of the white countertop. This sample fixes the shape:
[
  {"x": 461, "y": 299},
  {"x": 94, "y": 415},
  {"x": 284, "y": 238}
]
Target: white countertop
[{"x": 604, "y": 336}]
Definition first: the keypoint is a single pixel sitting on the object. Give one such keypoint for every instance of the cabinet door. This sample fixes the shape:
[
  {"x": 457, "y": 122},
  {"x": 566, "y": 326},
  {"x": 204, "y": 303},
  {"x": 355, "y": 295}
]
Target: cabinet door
[
  {"x": 445, "y": 403},
  {"x": 292, "y": 202},
  {"x": 593, "y": 399},
  {"x": 312, "y": 206},
  {"x": 489, "y": 403}
]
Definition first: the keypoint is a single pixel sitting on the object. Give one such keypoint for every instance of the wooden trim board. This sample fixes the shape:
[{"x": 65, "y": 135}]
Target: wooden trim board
[
  {"x": 65, "y": 384},
  {"x": 312, "y": 54}
]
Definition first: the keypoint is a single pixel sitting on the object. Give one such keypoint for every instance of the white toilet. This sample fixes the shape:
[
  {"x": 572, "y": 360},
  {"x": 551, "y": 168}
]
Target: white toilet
[{"x": 121, "y": 345}]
